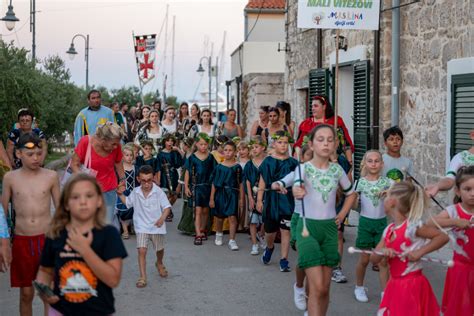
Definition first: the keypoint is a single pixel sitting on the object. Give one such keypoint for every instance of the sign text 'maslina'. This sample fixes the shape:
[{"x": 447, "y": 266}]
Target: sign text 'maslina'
[{"x": 339, "y": 14}]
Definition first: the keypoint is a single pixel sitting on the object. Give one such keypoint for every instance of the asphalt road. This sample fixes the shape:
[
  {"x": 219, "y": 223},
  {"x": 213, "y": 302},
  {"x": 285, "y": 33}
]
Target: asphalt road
[{"x": 212, "y": 280}]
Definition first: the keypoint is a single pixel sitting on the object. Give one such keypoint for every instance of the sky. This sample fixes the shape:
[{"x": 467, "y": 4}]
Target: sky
[{"x": 110, "y": 24}]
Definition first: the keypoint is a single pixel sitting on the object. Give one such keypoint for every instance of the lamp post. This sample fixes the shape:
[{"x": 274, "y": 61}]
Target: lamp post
[
  {"x": 10, "y": 20},
  {"x": 72, "y": 53},
  {"x": 201, "y": 70}
]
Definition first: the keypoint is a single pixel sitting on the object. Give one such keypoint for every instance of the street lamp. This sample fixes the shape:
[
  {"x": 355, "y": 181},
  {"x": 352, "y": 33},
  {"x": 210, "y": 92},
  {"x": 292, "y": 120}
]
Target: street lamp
[
  {"x": 72, "y": 53},
  {"x": 201, "y": 70},
  {"x": 10, "y": 18}
]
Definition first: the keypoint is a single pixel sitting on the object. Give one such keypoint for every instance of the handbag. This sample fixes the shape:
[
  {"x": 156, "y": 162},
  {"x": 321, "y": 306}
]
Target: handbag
[{"x": 85, "y": 168}]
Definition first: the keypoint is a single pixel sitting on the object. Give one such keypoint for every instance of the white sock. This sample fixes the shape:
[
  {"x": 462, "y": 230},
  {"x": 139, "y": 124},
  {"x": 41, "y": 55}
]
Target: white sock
[{"x": 299, "y": 289}]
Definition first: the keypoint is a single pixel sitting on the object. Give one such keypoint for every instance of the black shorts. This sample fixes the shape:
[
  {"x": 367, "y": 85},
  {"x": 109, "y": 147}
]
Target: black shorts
[{"x": 272, "y": 226}]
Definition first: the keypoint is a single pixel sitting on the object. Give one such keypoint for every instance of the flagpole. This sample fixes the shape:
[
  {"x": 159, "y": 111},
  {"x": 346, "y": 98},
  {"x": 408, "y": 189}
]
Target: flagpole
[
  {"x": 138, "y": 69},
  {"x": 336, "y": 97}
]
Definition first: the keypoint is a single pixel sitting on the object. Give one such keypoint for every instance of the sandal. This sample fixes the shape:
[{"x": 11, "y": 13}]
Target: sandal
[
  {"x": 141, "y": 283},
  {"x": 204, "y": 237},
  {"x": 125, "y": 236},
  {"x": 162, "y": 270},
  {"x": 198, "y": 241}
]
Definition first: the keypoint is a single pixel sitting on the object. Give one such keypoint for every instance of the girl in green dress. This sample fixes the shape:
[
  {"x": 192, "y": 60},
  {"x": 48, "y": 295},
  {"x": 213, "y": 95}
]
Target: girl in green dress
[{"x": 226, "y": 193}]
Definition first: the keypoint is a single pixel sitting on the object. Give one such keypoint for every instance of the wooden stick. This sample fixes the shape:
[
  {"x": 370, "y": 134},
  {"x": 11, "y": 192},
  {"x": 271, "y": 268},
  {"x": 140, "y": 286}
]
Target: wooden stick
[
  {"x": 336, "y": 79},
  {"x": 448, "y": 263}
]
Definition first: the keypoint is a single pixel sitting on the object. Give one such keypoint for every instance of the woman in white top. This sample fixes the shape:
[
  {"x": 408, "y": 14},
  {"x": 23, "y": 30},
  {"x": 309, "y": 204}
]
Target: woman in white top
[
  {"x": 204, "y": 125},
  {"x": 153, "y": 131},
  {"x": 169, "y": 122}
]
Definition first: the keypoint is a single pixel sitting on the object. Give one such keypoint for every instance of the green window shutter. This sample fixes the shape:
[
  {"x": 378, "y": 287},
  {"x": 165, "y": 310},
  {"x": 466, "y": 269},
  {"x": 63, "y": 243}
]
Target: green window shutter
[
  {"x": 462, "y": 112},
  {"x": 318, "y": 84},
  {"x": 361, "y": 112}
]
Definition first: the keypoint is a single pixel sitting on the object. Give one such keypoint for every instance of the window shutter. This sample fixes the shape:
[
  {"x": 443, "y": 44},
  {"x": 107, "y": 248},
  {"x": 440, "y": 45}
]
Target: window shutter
[
  {"x": 318, "y": 84},
  {"x": 361, "y": 112},
  {"x": 462, "y": 112}
]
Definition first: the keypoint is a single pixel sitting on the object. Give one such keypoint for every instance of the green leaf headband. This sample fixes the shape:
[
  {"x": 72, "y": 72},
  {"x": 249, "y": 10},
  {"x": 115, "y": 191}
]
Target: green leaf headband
[
  {"x": 286, "y": 134},
  {"x": 254, "y": 142},
  {"x": 305, "y": 141},
  {"x": 236, "y": 139},
  {"x": 203, "y": 136}
]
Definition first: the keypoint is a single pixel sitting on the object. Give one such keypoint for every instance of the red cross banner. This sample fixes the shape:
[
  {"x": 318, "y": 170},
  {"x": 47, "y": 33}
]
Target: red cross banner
[{"x": 145, "y": 57}]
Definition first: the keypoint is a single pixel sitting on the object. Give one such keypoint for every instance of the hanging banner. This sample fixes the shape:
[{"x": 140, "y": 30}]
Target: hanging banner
[
  {"x": 145, "y": 57},
  {"x": 339, "y": 14}
]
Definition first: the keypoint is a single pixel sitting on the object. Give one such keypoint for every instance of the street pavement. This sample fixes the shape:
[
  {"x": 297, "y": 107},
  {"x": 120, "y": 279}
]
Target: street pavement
[{"x": 212, "y": 280}]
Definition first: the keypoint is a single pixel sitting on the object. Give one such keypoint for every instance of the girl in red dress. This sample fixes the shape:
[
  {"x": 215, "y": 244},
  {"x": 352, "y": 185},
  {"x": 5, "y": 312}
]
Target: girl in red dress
[
  {"x": 458, "y": 296},
  {"x": 404, "y": 242}
]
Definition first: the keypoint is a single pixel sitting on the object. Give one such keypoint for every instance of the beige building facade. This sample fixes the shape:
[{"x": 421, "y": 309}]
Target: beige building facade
[{"x": 436, "y": 90}]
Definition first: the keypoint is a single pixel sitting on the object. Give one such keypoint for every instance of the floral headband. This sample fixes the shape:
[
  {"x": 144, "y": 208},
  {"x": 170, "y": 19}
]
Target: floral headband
[
  {"x": 254, "y": 142},
  {"x": 203, "y": 136},
  {"x": 305, "y": 141},
  {"x": 286, "y": 134}
]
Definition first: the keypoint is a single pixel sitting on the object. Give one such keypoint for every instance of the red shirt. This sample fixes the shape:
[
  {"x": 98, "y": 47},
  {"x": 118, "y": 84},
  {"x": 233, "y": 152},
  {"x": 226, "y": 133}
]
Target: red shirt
[
  {"x": 307, "y": 125},
  {"x": 105, "y": 166}
]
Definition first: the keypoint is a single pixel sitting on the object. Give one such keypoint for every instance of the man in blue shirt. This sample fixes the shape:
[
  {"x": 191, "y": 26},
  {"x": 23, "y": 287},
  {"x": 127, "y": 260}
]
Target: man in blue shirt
[{"x": 92, "y": 116}]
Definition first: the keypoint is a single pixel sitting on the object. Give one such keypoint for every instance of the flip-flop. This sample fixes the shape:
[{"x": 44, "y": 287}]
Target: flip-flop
[
  {"x": 162, "y": 270},
  {"x": 141, "y": 283}
]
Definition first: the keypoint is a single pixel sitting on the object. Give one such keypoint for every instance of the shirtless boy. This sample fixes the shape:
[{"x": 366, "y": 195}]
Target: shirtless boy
[{"x": 30, "y": 188}]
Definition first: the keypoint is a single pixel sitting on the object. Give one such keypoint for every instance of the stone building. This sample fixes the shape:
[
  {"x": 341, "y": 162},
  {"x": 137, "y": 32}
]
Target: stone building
[
  {"x": 436, "y": 89},
  {"x": 258, "y": 63}
]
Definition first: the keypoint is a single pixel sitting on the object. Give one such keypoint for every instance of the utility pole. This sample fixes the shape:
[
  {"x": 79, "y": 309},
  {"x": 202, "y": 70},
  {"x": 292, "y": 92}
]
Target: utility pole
[
  {"x": 165, "y": 50},
  {"x": 172, "y": 56}
]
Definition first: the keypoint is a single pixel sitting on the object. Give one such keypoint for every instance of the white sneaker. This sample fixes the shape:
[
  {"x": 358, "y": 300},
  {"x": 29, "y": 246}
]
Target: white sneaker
[
  {"x": 255, "y": 250},
  {"x": 360, "y": 294},
  {"x": 218, "y": 240},
  {"x": 299, "y": 296},
  {"x": 233, "y": 245}
]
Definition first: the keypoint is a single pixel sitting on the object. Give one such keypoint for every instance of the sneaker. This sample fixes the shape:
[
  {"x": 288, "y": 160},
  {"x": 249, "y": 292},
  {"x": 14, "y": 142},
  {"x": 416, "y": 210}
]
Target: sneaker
[
  {"x": 255, "y": 251},
  {"x": 218, "y": 240},
  {"x": 360, "y": 294},
  {"x": 299, "y": 296},
  {"x": 267, "y": 255},
  {"x": 233, "y": 245},
  {"x": 338, "y": 276},
  {"x": 284, "y": 265}
]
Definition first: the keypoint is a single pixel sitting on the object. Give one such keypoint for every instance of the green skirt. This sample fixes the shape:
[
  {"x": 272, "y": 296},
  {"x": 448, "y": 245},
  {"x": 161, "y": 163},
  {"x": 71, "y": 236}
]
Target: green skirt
[
  {"x": 370, "y": 232},
  {"x": 294, "y": 223},
  {"x": 186, "y": 224},
  {"x": 320, "y": 247}
]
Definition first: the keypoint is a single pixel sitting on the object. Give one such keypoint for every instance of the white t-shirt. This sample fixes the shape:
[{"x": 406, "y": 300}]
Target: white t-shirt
[
  {"x": 287, "y": 182},
  {"x": 172, "y": 128},
  {"x": 321, "y": 188},
  {"x": 462, "y": 159},
  {"x": 147, "y": 211},
  {"x": 371, "y": 204},
  {"x": 395, "y": 168}
]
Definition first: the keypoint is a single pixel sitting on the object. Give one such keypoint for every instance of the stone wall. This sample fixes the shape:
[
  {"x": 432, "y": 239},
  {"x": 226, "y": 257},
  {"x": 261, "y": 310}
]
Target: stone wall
[
  {"x": 432, "y": 33},
  {"x": 259, "y": 89}
]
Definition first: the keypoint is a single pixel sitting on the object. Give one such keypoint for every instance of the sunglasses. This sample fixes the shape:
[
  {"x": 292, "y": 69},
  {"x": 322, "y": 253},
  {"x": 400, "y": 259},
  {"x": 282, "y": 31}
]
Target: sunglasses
[{"x": 31, "y": 145}]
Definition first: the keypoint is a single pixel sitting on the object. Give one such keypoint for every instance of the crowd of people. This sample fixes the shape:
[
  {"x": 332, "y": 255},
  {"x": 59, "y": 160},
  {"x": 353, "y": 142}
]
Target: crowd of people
[{"x": 129, "y": 168}]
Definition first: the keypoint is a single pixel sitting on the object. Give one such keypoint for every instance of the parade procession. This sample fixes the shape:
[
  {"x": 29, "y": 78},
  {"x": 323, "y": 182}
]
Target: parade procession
[{"x": 311, "y": 157}]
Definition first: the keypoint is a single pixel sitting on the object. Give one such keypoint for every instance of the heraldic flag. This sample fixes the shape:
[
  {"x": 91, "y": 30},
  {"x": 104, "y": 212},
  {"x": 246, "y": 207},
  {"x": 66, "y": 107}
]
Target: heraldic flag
[{"x": 145, "y": 56}]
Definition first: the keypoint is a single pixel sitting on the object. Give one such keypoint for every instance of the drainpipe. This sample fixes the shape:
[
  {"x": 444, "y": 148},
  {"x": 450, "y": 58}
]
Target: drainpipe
[
  {"x": 375, "y": 123},
  {"x": 395, "y": 62},
  {"x": 238, "y": 81},
  {"x": 320, "y": 48}
]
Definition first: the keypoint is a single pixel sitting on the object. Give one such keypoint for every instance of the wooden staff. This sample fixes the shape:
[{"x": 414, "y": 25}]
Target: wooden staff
[
  {"x": 171, "y": 195},
  {"x": 193, "y": 180},
  {"x": 448, "y": 263}
]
